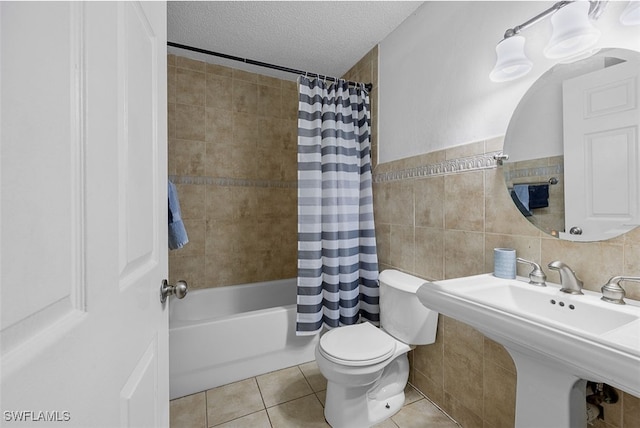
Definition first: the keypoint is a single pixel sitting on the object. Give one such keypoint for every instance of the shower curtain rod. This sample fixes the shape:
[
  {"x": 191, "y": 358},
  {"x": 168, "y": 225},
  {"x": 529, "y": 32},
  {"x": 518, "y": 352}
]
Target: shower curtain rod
[{"x": 368, "y": 86}]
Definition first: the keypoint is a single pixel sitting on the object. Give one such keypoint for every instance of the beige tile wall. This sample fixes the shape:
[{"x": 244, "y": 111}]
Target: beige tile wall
[
  {"x": 232, "y": 154},
  {"x": 446, "y": 226},
  {"x": 366, "y": 71}
]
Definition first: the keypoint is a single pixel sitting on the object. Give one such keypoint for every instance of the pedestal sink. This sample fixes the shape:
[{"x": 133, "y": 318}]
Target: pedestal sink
[{"x": 558, "y": 341}]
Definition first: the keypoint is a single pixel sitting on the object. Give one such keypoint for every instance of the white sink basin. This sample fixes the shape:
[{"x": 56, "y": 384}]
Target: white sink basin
[
  {"x": 549, "y": 306},
  {"x": 553, "y": 337}
]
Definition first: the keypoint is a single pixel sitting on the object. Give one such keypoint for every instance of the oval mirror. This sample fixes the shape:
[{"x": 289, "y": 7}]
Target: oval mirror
[{"x": 574, "y": 152}]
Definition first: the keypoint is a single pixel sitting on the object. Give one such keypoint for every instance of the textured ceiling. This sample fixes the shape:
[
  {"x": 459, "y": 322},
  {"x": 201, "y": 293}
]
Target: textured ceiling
[{"x": 324, "y": 37}]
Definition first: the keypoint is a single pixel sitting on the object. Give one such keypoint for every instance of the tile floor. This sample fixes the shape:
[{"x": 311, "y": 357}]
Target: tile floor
[{"x": 292, "y": 397}]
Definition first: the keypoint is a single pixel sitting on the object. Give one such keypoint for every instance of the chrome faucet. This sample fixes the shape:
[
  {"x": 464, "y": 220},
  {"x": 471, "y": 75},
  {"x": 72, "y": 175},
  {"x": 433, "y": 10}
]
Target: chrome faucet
[
  {"x": 613, "y": 292},
  {"x": 570, "y": 282}
]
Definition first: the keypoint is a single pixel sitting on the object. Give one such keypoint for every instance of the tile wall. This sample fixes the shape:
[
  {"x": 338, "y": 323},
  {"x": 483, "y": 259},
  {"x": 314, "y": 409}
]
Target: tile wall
[
  {"x": 548, "y": 171},
  {"x": 366, "y": 71},
  {"x": 233, "y": 158},
  {"x": 439, "y": 216}
]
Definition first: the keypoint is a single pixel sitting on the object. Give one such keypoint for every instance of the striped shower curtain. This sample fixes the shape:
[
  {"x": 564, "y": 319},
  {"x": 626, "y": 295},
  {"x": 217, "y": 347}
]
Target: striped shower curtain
[{"x": 337, "y": 259}]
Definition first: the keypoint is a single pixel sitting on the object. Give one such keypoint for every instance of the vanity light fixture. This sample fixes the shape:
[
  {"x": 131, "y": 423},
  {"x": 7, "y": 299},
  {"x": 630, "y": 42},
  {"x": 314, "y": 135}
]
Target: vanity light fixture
[
  {"x": 573, "y": 33},
  {"x": 512, "y": 62},
  {"x": 631, "y": 14}
]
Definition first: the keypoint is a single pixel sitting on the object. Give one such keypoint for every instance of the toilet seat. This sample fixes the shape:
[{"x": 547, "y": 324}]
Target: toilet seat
[{"x": 357, "y": 345}]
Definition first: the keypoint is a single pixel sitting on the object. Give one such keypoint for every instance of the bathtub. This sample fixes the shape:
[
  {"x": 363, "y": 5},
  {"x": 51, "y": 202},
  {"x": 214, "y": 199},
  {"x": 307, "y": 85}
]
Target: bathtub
[{"x": 225, "y": 334}]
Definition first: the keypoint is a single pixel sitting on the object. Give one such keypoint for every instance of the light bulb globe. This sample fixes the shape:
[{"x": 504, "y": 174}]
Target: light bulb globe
[
  {"x": 631, "y": 14},
  {"x": 572, "y": 31},
  {"x": 511, "y": 62}
]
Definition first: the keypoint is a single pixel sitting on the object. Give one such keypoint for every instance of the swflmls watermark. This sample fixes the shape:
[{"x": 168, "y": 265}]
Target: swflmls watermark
[{"x": 36, "y": 416}]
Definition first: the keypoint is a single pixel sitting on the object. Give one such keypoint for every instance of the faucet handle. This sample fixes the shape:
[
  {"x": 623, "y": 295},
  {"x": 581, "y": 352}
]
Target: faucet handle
[
  {"x": 613, "y": 292},
  {"x": 537, "y": 275}
]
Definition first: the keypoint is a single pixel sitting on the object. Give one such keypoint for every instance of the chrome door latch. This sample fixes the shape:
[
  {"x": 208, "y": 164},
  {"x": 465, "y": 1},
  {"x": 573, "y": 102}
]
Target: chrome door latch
[{"x": 179, "y": 290}]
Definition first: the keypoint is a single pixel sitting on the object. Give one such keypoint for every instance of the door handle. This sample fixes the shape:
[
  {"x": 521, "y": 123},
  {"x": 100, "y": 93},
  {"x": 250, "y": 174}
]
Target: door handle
[
  {"x": 179, "y": 290},
  {"x": 575, "y": 230}
]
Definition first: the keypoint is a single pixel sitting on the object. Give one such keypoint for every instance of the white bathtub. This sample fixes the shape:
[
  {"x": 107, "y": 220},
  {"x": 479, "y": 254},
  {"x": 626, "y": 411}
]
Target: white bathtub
[{"x": 225, "y": 334}]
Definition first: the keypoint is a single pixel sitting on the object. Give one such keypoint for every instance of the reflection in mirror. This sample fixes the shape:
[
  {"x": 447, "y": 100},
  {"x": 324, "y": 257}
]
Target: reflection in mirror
[{"x": 573, "y": 146}]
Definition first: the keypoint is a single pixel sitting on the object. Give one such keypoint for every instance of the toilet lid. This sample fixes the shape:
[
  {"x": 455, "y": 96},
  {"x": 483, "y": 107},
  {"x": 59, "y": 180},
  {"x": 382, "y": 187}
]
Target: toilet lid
[{"x": 357, "y": 345}]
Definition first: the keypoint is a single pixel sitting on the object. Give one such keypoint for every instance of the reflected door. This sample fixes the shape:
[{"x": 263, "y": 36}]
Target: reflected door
[{"x": 601, "y": 151}]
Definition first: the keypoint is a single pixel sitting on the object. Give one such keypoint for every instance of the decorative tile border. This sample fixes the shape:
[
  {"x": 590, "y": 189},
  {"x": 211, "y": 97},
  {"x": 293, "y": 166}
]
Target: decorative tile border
[
  {"x": 231, "y": 182},
  {"x": 451, "y": 166},
  {"x": 541, "y": 171}
]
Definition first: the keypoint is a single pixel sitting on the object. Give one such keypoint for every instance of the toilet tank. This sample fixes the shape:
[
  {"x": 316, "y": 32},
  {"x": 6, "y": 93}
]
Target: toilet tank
[{"x": 401, "y": 313}]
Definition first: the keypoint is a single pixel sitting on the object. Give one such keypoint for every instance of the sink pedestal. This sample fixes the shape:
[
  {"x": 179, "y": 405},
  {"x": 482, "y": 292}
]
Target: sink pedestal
[{"x": 547, "y": 396}]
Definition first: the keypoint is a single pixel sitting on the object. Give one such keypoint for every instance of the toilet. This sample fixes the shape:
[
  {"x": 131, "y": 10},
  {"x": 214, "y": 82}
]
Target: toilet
[{"x": 366, "y": 367}]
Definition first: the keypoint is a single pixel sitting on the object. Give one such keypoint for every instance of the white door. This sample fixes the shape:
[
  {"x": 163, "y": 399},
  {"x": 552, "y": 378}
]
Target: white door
[
  {"x": 602, "y": 151},
  {"x": 83, "y": 214}
]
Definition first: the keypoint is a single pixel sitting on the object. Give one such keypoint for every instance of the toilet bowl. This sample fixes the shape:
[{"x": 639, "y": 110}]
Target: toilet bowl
[{"x": 366, "y": 367}]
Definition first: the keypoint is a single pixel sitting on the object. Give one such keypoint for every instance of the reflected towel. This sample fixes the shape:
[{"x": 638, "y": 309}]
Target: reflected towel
[
  {"x": 519, "y": 203},
  {"x": 177, "y": 233},
  {"x": 522, "y": 192},
  {"x": 538, "y": 196}
]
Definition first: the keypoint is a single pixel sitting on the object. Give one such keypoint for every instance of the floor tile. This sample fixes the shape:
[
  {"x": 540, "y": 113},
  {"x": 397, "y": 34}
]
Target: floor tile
[
  {"x": 411, "y": 395},
  {"x": 322, "y": 396},
  {"x": 293, "y": 397},
  {"x": 314, "y": 377},
  {"x": 422, "y": 414},
  {"x": 304, "y": 412},
  {"x": 386, "y": 424},
  {"x": 254, "y": 420},
  {"x": 232, "y": 401},
  {"x": 282, "y": 386},
  {"x": 189, "y": 411}
]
